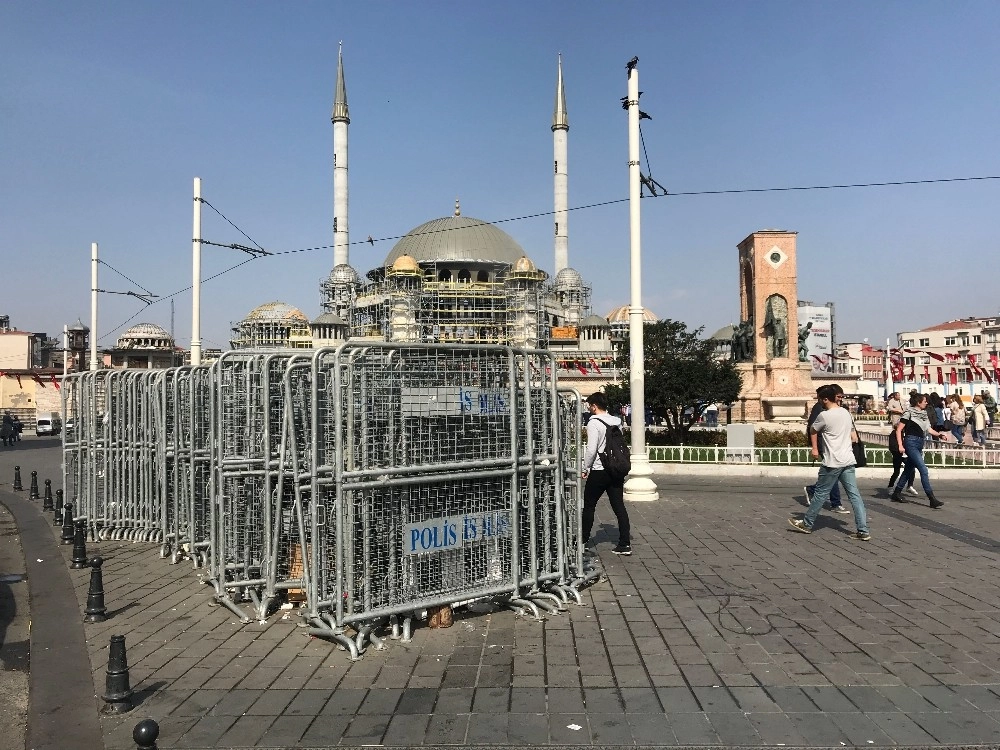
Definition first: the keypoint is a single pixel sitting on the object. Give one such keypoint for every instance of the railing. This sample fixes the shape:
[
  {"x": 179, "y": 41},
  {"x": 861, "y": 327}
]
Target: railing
[{"x": 947, "y": 455}]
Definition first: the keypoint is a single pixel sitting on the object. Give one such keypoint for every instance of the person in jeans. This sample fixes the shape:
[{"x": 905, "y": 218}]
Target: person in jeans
[
  {"x": 911, "y": 432},
  {"x": 834, "y": 429},
  {"x": 836, "y": 504},
  {"x": 980, "y": 420},
  {"x": 958, "y": 419},
  {"x": 598, "y": 481}
]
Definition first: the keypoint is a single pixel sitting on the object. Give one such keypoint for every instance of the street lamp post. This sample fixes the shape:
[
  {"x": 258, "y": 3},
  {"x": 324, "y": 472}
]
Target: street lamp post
[{"x": 639, "y": 485}]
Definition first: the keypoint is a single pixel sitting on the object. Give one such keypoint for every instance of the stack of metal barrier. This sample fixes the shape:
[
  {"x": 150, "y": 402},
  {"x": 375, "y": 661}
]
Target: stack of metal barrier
[{"x": 369, "y": 482}]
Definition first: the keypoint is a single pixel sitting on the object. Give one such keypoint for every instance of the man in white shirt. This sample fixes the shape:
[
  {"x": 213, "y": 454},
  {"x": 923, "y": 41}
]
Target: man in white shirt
[
  {"x": 835, "y": 428},
  {"x": 894, "y": 406}
]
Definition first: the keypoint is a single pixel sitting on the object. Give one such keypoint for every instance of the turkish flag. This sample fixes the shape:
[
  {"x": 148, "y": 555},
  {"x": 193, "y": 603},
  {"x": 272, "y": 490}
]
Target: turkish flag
[
  {"x": 581, "y": 368},
  {"x": 594, "y": 365},
  {"x": 940, "y": 374},
  {"x": 953, "y": 378}
]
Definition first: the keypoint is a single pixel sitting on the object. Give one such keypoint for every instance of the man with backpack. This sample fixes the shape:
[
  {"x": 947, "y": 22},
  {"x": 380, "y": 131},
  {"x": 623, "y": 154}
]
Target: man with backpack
[{"x": 605, "y": 469}]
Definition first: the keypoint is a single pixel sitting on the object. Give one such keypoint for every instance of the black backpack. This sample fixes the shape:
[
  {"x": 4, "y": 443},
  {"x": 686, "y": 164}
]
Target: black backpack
[{"x": 615, "y": 456}]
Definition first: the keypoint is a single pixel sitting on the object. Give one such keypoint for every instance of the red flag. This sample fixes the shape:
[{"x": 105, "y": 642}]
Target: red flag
[
  {"x": 54, "y": 381},
  {"x": 581, "y": 368},
  {"x": 38, "y": 379},
  {"x": 18, "y": 381},
  {"x": 968, "y": 375},
  {"x": 995, "y": 362},
  {"x": 940, "y": 374},
  {"x": 936, "y": 357},
  {"x": 953, "y": 378},
  {"x": 927, "y": 373},
  {"x": 594, "y": 365}
]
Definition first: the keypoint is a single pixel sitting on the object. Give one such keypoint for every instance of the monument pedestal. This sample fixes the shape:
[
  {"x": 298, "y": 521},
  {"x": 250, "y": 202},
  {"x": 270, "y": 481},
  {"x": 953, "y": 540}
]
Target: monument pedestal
[{"x": 778, "y": 390}]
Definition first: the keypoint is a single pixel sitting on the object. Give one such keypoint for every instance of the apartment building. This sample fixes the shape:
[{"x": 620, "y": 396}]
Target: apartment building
[{"x": 957, "y": 356}]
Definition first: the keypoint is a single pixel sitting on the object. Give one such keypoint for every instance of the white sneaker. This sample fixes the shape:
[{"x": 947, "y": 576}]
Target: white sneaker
[
  {"x": 842, "y": 509},
  {"x": 911, "y": 490}
]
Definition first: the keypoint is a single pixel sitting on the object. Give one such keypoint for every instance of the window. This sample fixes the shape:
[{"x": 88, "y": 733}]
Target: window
[
  {"x": 964, "y": 341},
  {"x": 925, "y": 360},
  {"x": 991, "y": 338},
  {"x": 925, "y": 342},
  {"x": 907, "y": 343},
  {"x": 445, "y": 275},
  {"x": 908, "y": 361},
  {"x": 949, "y": 341},
  {"x": 483, "y": 276},
  {"x": 464, "y": 277},
  {"x": 977, "y": 339}
]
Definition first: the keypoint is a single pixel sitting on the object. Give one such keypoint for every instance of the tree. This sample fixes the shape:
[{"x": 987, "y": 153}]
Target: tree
[{"x": 682, "y": 372}]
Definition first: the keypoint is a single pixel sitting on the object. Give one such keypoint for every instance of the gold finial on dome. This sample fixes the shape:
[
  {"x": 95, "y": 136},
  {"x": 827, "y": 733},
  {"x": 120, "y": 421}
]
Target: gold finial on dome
[{"x": 458, "y": 208}]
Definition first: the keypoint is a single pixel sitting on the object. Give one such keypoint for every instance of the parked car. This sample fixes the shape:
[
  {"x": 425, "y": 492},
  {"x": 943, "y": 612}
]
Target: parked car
[{"x": 48, "y": 423}]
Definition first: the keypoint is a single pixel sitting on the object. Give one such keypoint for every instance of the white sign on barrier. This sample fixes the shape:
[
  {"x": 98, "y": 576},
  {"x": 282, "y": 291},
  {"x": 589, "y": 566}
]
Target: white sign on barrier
[
  {"x": 452, "y": 532},
  {"x": 453, "y": 401}
]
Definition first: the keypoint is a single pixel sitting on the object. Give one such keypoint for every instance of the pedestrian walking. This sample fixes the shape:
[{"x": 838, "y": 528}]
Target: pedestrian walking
[
  {"x": 980, "y": 420},
  {"x": 894, "y": 407},
  {"x": 958, "y": 419},
  {"x": 836, "y": 503},
  {"x": 598, "y": 480},
  {"x": 834, "y": 430},
  {"x": 991, "y": 407},
  {"x": 911, "y": 433},
  {"x": 712, "y": 415}
]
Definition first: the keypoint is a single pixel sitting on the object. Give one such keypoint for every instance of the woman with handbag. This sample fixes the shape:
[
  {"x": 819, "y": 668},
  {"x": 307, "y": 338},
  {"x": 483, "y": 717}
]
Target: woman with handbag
[
  {"x": 958, "y": 419},
  {"x": 911, "y": 432},
  {"x": 980, "y": 419}
]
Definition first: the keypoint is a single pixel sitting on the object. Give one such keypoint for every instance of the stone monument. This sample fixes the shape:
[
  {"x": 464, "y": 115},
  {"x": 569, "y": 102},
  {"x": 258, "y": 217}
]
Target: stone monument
[{"x": 776, "y": 384}]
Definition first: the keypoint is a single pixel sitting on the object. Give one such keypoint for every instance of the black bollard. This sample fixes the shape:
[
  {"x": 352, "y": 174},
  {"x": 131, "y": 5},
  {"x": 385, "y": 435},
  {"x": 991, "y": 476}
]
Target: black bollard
[
  {"x": 47, "y": 497},
  {"x": 67, "y": 530},
  {"x": 118, "y": 693},
  {"x": 33, "y": 491},
  {"x": 18, "y": 487},
  {"x": 79, "y": 546},
  {"x": 96, "y": 611},
  {"x": 145, "y": 734},
  {"x": 57, "y": 518}
]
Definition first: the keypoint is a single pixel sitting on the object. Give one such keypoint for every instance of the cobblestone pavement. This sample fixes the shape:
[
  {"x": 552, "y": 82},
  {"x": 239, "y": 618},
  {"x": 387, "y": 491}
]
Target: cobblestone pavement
[{"x": 724, "y": 628}]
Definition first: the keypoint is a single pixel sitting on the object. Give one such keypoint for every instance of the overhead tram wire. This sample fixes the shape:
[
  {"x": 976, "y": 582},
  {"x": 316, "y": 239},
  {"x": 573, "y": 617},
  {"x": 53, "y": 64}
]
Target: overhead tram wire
[{"x": 261, "y": 252}]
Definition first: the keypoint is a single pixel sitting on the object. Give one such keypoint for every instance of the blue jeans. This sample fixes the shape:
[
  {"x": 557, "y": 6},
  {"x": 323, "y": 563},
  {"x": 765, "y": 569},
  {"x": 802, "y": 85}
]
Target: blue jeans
[
  {"x": 827, "y": 481},
  {"x": 958, "y": 432},
  {"x": 914, "y": 447},
  {"x": 978, "y": 436},
  {"x": 835, "y": 500}
]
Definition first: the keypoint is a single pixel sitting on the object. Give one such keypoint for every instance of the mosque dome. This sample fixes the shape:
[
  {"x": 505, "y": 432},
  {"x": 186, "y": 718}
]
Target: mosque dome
[
  {"x": 275, "y": 312},
  {"x": 524, "y": 265},
  {"x": 620, "y": 315},
  {"x": 145, "y": 336},
  {"x": 568, "y": 278},
  {"x": 456, "y": 238},
  {"x": 405, "y": 264},
  {"x": 723, "y": 334},
  {"x": 329, "y": 319},
  {"x": 594, "y": 321},
  {"x": 344, "y": 274}
]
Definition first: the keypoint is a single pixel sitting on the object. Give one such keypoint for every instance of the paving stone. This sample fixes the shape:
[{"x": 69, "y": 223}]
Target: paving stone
[
  {"x": 454, "y": 700},
  {"x": 285, "y": 731},
  {"x": 307, "y": 703},
  {"x": 715, "y": 699},
  {"x": 818, "y": 729},
  {"x": 528, "y": 729},
  {"x": 860, "y": 729},
  {"x": 650, "y": 729},
  {"x": 235, "y": 702},
  {"x": 367, "y": 729},
  {"x": 791, "y": 699},
  {"x": 734, "y": 729},
  {"x": 271, "y": 703},
  {"x": 868, "y": 699},
  {"x": 491, "y": 700},
  {"x": 603, "y": 700},
  {"x": 560, "y": 732},
  {"x": 325, "y": 730},
  {"x": 444, "y": 729},
  {"x": 829, "y": 699},
  {"x": 247, "y": 730},
  {"x": 528, "y": 700},
  {"x": 380, "y": 701},
  {"x": 609, "y": 728},
  {"x": 406, "y": 729},
  {"x": 692, "y": 728},
  {"x": 774, "y": 728},
  {"x": 487, "y": 729},
  {"x": 901, "y": 728}
]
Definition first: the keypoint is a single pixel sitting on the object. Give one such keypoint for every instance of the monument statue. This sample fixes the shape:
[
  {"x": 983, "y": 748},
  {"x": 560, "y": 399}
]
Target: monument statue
[
  {"x": 803, "y": 346},
  {"x": 742, "y": 345},
  {"x": 776, "y": 326}
]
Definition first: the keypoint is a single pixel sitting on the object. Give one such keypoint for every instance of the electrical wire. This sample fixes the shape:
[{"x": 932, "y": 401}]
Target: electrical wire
[{"x": 103, "y": 263}]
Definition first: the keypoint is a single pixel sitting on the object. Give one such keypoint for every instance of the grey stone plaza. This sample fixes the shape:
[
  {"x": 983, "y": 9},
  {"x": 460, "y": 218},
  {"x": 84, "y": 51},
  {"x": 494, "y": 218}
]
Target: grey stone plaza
[{"x": 725, "y": 628}]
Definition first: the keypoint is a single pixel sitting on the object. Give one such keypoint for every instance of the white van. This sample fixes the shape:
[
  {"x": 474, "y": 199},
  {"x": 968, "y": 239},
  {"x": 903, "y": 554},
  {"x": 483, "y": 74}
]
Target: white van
[{"x": 48, "y": 423}]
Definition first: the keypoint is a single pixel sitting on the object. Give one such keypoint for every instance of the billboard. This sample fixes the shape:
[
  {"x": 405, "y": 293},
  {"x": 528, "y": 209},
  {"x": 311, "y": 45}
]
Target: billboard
[{"x": 820, "y": 340}]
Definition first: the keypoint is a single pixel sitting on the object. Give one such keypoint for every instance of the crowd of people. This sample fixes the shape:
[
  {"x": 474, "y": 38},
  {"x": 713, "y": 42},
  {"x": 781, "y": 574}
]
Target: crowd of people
[{"x": 10, "y": 429}]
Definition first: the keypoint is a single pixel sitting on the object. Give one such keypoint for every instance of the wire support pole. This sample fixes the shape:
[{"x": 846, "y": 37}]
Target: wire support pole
[
  {"x": 94, "y": 262},
  {"x": 639, "y": 485},
  {"x": 196, "y": 277}
]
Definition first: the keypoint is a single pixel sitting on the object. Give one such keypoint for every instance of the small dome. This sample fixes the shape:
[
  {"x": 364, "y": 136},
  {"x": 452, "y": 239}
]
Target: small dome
[
  {"x": 524, "y": 265},
  {"x": 276, "y": 311},
  {"x": 344, "y": 274},
  {"x": 568, "y": 278},
  {"x": 405, "y": 264},
  {"x": 145, "y": 336},
  {"x": 723, "y": 334},
  {"x": 620, "y": 315},
  {"x": 594, "y": 321},
  {"x": 79, "y": 327},
  {"x": 329, "y": 319}
]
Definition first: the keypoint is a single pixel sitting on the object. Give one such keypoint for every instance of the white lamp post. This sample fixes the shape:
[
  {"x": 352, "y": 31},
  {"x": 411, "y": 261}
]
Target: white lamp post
[
  {"x": 196, "y": 277},
  {"x": 639, "y": 485}
]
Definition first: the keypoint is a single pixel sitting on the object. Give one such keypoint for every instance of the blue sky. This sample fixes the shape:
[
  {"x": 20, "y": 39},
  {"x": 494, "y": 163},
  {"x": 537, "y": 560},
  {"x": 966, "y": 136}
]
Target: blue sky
[{"x": 109, "y": 109}]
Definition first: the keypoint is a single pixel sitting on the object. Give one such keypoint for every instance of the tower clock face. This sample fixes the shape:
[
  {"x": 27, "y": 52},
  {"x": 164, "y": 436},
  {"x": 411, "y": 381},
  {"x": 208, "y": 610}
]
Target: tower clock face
[{"x": 775, "y": 256}]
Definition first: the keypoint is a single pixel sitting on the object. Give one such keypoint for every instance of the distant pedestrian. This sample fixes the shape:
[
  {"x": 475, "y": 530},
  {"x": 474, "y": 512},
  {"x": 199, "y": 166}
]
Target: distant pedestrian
[
  {"x": 991, "y": 407},
  {"x": 980, "y": 420},
  {"x": 958, "y": 419},
  {"x": 712, "y": 415},
  {"x": 7, "y": 433},
  {"x": 598, "y": 480},
  {"x": 894, "y": 406},
  {"x": 910, "y": 434},
  {"x": 834, "y": 429}
]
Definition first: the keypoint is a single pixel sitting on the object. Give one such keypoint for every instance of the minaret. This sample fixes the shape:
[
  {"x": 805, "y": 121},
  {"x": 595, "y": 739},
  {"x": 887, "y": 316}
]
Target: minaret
[
  {"x": 560, "y": 136},
  {"x": 341, "y": 119}
]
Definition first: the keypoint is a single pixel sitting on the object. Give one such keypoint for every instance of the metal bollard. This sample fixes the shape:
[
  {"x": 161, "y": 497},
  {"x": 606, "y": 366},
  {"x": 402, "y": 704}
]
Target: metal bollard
[
  {"x": 79, "y": 546},
  {"x": 145, "y": 734},
  {"x": 67, "y": 526},
  {"x": 117, "y": 692},
  {"x": 96, "y": 611},
  {"x": 18, "y": 487},
  {"x": 47, "y": 497},
  {"x": 57, "y": 518},
  {"x": 33, "y": 491}
]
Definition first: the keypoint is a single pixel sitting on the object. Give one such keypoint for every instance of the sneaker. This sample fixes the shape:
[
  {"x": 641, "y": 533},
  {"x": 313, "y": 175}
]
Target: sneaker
[
  {"x": 911, "y": 490},
  {"x": 842, "y": 509},
  {"x": 800, "y": 525},
  {"x": 863, "y": 536},
  {"x": 623, "y": 549}
]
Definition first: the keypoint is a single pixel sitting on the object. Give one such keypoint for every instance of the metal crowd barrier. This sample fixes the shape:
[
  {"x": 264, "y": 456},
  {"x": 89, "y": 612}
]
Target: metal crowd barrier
[{"x": 369, "y": 482}]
